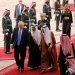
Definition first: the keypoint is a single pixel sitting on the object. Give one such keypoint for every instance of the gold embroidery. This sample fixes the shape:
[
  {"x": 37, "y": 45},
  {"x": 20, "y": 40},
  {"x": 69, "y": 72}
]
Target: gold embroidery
[
  {"x": 66, "y": 18},
  {"x": 71, "y": 50},
  {"x": 34, "y": 39}
]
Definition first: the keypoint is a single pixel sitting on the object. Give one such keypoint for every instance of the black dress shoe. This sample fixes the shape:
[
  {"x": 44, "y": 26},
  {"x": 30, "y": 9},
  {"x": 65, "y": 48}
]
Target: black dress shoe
[
  {"x": 43, "y": 71},
  {"x": 8, "y": 52},
  {"x": 31, "y": 69},
  {"x": 58, "y": 30},
  {"x": 21, "y": 70}
]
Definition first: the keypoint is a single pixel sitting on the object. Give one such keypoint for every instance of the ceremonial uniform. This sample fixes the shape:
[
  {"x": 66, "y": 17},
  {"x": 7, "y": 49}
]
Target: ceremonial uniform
[
  {"x": 57, "y": 14},
  {"x": 47, "y": 10},
  {"x": 32, "y": 12},
  {"x": 7, "y": 30},
  {"x": 25, "y": 19}
]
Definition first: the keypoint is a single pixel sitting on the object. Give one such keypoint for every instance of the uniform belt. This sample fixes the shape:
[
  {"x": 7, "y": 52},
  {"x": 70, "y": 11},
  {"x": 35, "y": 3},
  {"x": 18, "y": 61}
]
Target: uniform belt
[
  {"x": 27, "y": 20},
  {"x": 57, "y": 11},
  {"x": 34, "y": 16},
  {"x": 6, "y": 30},
  {"x": 66, "y": 18},
  {"x": 49, "y": 11},
  {"x": 9, "y": 25},
  {"x": 32, "y": 19}
]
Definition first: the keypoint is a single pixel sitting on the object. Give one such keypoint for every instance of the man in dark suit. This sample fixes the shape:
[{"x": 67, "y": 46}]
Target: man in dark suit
[
  {"x": 20, "y": 43},
  {"x": 18, "y": 11}
]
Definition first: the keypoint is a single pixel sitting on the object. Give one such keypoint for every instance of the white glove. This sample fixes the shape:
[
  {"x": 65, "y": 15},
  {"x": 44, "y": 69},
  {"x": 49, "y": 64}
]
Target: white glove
[
  {"x": 25, "y": 27},
  {"x": 57, "y": 14},
  {"x": 6, "y": 33}
]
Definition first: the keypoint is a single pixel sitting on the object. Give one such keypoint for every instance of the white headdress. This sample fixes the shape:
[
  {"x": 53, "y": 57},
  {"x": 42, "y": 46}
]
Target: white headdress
[
  {"x": 36, "y": 34},
  {"x": 46, "y": 0},
  {"x": 46, "y": 34},
  {"x": 33, "y": 3}
]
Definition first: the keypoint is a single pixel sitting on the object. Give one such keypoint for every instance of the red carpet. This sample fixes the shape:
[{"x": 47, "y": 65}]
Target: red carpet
[
  {"x": 11, "y": 70},
  {"x": 4, "y": 56}
]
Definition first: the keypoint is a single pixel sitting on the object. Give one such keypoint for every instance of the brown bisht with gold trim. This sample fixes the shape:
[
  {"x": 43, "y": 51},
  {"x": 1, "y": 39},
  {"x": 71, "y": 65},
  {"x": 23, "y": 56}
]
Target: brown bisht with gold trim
[{"x": 48, "y": 56}]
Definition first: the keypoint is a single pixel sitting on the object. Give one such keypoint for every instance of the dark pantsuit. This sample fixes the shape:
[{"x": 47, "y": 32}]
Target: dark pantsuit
[{"x": 66, "y": 28}]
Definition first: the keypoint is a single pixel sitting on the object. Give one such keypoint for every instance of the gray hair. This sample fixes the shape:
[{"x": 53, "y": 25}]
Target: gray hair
[{"x": 20, "y": 23}]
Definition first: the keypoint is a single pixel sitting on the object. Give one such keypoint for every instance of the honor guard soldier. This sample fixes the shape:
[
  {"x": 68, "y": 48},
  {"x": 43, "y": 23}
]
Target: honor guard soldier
[
  {"x": 47, "y": 10},
  {"x": 7, "y": 30},
  {"x": 32, "y": 12},
  {"x": 57, "y": 14},
  {"x": 25, "y": 17}
]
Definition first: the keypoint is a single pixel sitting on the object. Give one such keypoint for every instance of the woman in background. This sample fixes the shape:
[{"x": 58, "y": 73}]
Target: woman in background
[{"x": 66, "y": 20}]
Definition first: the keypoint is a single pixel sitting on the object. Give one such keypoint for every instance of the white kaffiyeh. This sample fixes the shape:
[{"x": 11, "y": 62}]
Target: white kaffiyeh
[
  {"x": 46, "y": 34},
  {"x": 36, "y": 34}
]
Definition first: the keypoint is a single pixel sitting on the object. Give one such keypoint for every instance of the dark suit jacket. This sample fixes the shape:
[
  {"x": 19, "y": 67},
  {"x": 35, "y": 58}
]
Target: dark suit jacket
[
  {"x": 24, "y": 38},
  {"x": 16, "y": 13}
]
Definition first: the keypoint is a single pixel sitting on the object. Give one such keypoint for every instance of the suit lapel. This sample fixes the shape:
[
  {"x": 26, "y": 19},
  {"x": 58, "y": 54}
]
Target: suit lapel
[{"x": 17, "y": 31}]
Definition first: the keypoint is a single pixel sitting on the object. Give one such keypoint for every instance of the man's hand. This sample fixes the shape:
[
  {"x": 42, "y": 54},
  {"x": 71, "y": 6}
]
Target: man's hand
[
  {"x": 6, "y": 34},
  {"x": 49, "y": 48},
  {"x": 27, "y": 47},
  {"x": 40, "y": 47}
]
